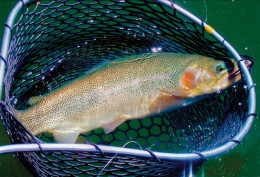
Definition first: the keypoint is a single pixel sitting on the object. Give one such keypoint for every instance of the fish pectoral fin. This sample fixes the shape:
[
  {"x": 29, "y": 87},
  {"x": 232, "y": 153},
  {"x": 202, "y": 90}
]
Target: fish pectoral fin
[
  {"x": 34, "y": 100},
  {"x": 109, "y": 127},
  {"x": 164, "y": 102},
  {"x": 62, "y": 136},
  {"x": 173, "y": 94}
]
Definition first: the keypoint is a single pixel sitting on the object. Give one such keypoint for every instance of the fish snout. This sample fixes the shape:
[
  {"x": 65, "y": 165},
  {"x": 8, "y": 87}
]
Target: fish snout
[
  {"x": 233, "y": 72},
  {"x": 248, "y": 63}
]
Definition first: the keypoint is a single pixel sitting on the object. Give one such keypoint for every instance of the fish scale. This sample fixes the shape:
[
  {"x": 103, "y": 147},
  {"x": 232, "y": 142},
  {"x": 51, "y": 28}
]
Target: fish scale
[{"x": 128, "y": 88}]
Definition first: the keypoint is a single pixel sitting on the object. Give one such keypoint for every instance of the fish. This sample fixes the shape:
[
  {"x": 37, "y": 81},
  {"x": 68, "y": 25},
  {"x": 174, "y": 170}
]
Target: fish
[{"x": 131, "y": 87}]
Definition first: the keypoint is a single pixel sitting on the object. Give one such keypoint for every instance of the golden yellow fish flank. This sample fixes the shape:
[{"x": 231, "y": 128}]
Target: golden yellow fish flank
[{"x": 132, "y": 87}]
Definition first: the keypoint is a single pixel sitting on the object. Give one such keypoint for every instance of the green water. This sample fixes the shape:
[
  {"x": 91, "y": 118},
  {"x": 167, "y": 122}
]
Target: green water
[{"x": 238, "y": 22}]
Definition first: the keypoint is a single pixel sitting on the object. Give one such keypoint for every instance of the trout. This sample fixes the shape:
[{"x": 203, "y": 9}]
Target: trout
[{"x": 132, "y": 87}]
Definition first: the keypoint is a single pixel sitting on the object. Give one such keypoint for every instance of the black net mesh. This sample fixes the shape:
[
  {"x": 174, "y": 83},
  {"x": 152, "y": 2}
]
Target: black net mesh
[{"x": 56, "y": 41}]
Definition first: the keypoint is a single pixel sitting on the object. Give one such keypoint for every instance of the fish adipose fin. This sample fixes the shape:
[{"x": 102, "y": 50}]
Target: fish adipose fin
[
  {"x": 109, "y": 127},
  {"x": 34, "y": 100},
  {"x": 65, "y": 136}
]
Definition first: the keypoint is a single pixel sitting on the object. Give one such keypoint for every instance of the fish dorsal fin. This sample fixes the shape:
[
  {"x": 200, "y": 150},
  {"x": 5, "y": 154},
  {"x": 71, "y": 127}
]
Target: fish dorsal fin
[
  {"x": 34, "y": 100},
  {"x": 126, "y": 59},
  {"x": 132, "y": 59},
  {"x": 62, "y": 136},
  {"x": 137, "y": 58},
  {"x": 109, "y": 127}
]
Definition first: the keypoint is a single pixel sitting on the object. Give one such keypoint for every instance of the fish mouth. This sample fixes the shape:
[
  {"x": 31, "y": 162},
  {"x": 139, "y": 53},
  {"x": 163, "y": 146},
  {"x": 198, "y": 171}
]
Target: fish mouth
[{"x": 236, "y": 71}]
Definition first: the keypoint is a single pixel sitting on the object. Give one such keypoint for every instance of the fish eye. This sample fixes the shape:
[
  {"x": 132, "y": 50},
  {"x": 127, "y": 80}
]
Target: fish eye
[{"x": 220, "y": 68}]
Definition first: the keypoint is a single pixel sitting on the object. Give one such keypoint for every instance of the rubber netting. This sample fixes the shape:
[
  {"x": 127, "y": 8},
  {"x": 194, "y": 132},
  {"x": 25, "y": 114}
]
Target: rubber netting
[{"x": 56, "y": 41}]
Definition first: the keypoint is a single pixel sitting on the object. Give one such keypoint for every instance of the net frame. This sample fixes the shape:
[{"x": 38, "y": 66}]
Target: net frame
[{"x": 196, "y": 156}]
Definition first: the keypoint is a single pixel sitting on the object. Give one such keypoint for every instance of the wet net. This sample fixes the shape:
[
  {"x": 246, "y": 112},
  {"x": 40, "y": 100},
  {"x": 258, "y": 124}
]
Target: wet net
[{"x": 54, "y": 42}]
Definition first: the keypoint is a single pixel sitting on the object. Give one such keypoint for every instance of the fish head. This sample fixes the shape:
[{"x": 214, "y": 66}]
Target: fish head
[{"x": 209, "y": 76}]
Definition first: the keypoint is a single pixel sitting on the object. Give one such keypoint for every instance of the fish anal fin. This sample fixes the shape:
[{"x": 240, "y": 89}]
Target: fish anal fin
[
  {"x": 165, "y": 101},
  {"x": 62, "y": 136},
  {"x": 109, "y": 127},
  {"x": 34, "y": 100}
]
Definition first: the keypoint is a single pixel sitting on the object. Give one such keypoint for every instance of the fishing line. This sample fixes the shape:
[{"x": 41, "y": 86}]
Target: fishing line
[
  {"x": 206, "y": 11},
  {"x": 116, "y": 155}
]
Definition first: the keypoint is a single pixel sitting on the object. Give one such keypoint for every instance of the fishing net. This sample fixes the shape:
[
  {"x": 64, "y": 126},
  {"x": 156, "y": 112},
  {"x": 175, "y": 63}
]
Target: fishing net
[{"x": 54, "y": 42}]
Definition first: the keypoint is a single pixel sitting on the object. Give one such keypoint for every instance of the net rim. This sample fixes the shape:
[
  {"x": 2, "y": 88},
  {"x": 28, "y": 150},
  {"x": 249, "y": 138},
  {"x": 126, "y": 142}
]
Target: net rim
[{"x": 127, "y": 151}]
